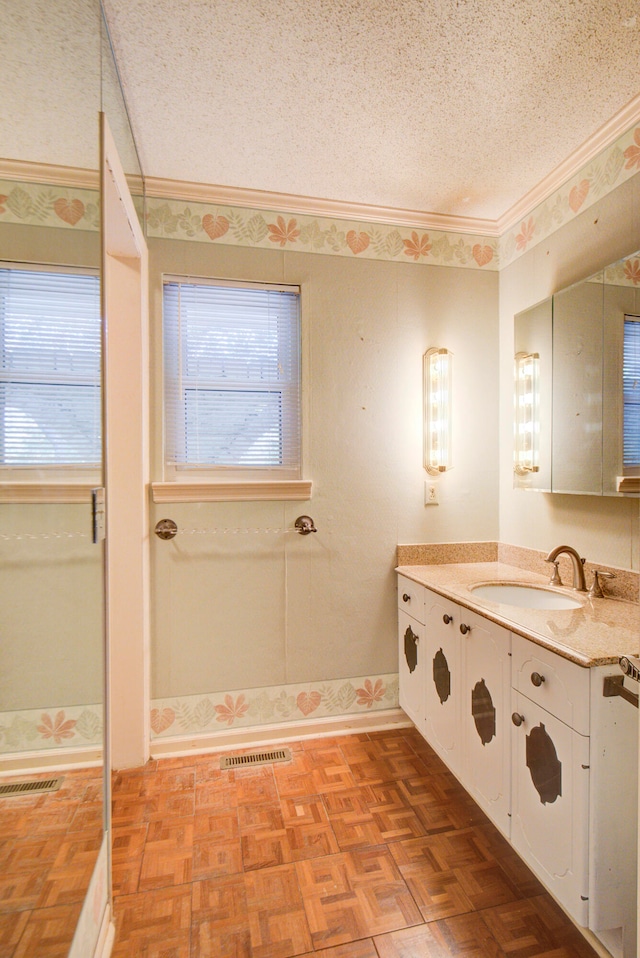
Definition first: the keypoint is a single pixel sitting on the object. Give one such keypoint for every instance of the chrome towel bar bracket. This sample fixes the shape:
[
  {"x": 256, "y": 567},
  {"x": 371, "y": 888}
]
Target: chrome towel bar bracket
[
  {"x": 167, "y": 529},
  {"x": 305, "y": 525}
]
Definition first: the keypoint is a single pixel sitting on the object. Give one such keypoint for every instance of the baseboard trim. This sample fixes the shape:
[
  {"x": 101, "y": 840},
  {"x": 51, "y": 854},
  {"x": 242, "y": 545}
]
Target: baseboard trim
[
  {"x": 62, "y": 759},
  {"x": 281, "y": 732},
  {"x": 107, "y": 935}
]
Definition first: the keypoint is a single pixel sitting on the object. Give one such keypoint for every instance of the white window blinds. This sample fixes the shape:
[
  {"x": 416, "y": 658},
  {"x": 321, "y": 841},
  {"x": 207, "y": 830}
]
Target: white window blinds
[
  {"x": 50, "y": 349},
  {"x": 232, "y": 377},
  {"x": 631, "y": 386}
]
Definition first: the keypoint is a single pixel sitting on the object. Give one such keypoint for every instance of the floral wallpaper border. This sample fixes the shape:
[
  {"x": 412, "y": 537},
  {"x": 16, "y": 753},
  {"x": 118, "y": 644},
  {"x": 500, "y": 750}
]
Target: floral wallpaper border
[
  {"x": 70, "y": 208},
  {"x": 82, "y": 725},
  {"x": 609, "y": 169},
  {"x": 626, "y": 272},
  {"x": 246, "y": 708},
  {"x": 41, "y": 729},
  {"x": 36, "y": 204},
  {"x": 233, "y": 226}
]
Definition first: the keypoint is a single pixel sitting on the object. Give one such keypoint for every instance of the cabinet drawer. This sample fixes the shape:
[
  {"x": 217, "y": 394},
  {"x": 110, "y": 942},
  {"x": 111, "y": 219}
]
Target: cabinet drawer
[
  {"x": 411, "y": 598},
  {"x": 553, "y": 682}
]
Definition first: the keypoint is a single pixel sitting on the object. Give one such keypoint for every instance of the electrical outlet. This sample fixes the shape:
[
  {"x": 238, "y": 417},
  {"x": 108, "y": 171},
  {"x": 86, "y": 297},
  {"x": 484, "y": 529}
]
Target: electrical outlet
[{"x": 430, "y": 493}]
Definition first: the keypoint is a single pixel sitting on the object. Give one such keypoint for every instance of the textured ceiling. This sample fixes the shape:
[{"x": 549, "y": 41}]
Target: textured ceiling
[{"x": 458, "y": 107}]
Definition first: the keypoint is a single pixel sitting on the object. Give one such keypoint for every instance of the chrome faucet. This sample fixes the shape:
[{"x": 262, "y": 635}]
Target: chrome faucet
[{"x": 579, "y": 583}]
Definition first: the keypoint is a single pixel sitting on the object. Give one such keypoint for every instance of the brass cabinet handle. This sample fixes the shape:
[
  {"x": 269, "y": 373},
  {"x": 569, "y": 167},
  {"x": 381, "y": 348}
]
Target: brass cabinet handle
[
  {"x": 447, "y": 619},
  {"x": 537, "y": 679},
  {"x": 464, "y": 628},
  {"x": 517, "y": 719}
]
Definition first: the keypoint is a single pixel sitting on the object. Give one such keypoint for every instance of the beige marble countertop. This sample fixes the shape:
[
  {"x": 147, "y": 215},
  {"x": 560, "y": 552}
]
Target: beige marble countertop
[{"x": 597, "y": 633}]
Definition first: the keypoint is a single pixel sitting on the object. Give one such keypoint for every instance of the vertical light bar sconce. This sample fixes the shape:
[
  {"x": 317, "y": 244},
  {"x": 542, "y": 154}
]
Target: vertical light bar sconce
[
  {"x": 527, "y": 414},
  {"x": 437, "y": 410}
]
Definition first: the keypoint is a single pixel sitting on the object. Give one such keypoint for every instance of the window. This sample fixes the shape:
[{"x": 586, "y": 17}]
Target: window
[
  {"x": 232, "y": 379},
  {"x": 631, "y": 387},
  {"x": 50, "y": 359}
]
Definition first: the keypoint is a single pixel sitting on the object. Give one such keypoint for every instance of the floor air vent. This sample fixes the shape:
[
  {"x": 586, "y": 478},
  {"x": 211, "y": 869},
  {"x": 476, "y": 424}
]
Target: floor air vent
[
  {"x": 30, "y": 788},
  {"x": 255, "y": 758}
]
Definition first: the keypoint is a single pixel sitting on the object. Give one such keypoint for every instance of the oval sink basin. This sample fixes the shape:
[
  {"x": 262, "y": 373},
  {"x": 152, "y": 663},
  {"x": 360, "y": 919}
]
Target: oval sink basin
[{"x": 524, "y": 596}]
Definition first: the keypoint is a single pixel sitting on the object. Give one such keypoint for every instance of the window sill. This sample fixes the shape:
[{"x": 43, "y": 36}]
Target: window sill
[
  {"x": 43, "y": 492},
  {"x": 628, "y": 484},
  {"x": 272, "y": 490}
]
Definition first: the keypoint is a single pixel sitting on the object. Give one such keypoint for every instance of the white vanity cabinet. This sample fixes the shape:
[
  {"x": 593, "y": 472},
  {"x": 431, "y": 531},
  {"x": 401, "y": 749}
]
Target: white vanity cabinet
[
  {"x": 540, "y": 743},
  {"x": 411, "y": 650},
  {"x": 467, "y": 674},
  {"x": 550, "y": 772},
  {"x": 455, "y": 686},
  {"x": 485, "y": 657},
  {"x": 574, "y": 790},
  {"x": 443, "y": 679}
]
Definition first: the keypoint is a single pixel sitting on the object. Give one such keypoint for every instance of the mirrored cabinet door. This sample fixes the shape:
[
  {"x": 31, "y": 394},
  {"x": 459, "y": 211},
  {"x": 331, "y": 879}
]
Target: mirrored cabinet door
[{"x": 577, "y": 387}]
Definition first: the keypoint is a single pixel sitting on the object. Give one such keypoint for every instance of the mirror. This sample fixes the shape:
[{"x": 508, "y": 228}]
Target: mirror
[
  {"x": 56, "y": 75},
  {"x": 577, "y": 392}
]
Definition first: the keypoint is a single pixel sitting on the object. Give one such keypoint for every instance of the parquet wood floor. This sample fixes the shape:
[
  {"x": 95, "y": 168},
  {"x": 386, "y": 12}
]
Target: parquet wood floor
[
  {"x": 48, "y": 849},
  {"x": 362, "y": 846}
]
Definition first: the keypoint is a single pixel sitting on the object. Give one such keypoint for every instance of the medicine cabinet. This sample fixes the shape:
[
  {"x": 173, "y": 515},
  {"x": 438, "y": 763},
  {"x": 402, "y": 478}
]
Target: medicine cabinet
[{"x": 577, "y": 387}]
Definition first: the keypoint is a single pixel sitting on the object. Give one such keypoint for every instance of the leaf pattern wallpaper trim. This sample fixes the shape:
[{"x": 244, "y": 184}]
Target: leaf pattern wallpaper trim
[
  {"x": 38, "y": 729},
  {"x": 46, "y": 205},
  {"x": 626, "y": 272},
  {"x": 233, "y": 226},
  {"x": 608, "y": 170},
  {"x": 35, "y": 204},
  {"x": 81, "y": 725},
  {"x": 246, "y": 708}
]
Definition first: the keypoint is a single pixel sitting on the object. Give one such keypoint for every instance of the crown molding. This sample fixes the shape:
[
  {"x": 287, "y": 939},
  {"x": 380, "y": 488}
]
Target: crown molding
[
  {"x": 28, "y": 172},
  {"x": 158, "y": 188},
  {"x": 68, "y": 176},
  {"x": 215, "y": 195},
  {"x": 607, "y": 134},
  {"x": 619, "y": 124}
]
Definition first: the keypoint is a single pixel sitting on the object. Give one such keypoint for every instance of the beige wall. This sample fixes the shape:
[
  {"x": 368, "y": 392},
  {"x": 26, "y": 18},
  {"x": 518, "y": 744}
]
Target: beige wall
[
  {"x": 602, "y": 529},
  {"x": 245, "y": 611}
]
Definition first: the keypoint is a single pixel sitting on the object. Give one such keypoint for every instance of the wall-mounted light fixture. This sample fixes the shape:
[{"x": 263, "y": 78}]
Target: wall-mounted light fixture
[
  {"x": 437, "y": 365},
  {"x": 527, "y": 414}
]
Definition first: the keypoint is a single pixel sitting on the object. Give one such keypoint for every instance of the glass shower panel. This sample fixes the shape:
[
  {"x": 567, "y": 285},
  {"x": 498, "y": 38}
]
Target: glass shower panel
[
  {"x": 51, "y": 624},
  {"x": 51, "y": 572}
]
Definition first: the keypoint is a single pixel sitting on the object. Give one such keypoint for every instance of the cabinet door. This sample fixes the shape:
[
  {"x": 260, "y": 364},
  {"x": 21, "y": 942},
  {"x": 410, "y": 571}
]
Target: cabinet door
[
  {"x": 550, "y": 803},
  {"x": 411, "y": 653},
  {"x": 486, "y": 716},
  {"x": 443, "y": 678}
]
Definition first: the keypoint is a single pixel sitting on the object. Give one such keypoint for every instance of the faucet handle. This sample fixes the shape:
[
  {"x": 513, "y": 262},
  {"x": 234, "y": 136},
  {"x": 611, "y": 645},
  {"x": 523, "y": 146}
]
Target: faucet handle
[
  {"x": 596, "y": 588},
  {"x": 555, "y": 576}
]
